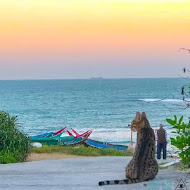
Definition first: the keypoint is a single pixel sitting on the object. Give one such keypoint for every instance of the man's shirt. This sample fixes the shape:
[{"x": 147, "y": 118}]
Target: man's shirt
[{"x": 159, "y": 136}]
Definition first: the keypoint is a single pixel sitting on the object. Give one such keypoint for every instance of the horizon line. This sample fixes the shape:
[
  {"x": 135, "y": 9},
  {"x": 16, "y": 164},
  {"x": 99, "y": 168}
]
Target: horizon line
[{"x": 92, "y": 78}]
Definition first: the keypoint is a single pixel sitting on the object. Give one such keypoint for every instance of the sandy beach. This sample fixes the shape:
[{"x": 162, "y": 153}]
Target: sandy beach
[{"x": 49, "y": 156}]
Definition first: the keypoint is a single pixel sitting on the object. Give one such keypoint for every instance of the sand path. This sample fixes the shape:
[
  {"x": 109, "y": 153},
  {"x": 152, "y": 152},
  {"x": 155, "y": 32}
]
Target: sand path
[{"x": 50, "y": 156}]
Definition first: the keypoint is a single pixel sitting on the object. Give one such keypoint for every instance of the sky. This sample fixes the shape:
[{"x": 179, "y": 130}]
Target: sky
[{"x": 63, "y": 39}]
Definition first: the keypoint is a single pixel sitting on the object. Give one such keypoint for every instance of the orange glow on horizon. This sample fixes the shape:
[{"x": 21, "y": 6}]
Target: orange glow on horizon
[{"x": 94, "y": 26}]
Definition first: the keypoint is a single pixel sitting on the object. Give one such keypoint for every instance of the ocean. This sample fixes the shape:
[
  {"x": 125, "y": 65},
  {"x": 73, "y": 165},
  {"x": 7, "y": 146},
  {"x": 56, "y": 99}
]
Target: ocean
[{"x": 107, "y": 106}]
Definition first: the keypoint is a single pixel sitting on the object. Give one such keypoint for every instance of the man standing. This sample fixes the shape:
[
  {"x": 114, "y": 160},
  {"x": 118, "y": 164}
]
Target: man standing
[{"x": 161, "y": 142}]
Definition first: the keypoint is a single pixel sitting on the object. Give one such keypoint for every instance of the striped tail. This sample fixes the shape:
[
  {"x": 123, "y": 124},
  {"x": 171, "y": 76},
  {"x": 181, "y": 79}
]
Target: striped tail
[{"x": 118, "y": 182}]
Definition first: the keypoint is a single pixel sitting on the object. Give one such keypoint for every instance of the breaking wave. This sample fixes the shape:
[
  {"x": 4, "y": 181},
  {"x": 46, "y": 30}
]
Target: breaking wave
[{"x": 162, "y": 100}]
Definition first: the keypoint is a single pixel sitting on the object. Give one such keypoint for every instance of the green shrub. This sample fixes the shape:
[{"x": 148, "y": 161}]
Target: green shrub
[
  {"x": 182, "y": 139},
  {"x": 14, "y": 145}
]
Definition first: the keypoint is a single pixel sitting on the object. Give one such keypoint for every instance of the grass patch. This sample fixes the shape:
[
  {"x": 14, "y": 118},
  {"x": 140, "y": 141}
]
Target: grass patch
[
  {"x": 182, "y": 167},
  {"x": 81, "y": 150}
]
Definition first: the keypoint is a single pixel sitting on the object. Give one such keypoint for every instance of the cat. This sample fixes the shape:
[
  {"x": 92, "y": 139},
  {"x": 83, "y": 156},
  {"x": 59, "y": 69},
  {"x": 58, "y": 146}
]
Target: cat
[{"x": 143, "y": 166}]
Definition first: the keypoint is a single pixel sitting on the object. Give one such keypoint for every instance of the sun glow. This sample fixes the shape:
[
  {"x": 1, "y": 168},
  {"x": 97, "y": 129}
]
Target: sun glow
[{"x": 93, "y": 25}]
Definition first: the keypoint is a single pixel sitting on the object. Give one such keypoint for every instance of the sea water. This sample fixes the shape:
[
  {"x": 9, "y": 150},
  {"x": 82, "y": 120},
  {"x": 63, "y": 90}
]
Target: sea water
[{"x": 107, "y": 106}]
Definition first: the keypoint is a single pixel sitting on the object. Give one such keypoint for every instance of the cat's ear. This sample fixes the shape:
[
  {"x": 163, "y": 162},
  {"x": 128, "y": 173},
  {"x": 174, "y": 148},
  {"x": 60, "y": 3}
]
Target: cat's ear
[
  {"x": 138, "y": 115},
  {"x": 143, "y": 115}
]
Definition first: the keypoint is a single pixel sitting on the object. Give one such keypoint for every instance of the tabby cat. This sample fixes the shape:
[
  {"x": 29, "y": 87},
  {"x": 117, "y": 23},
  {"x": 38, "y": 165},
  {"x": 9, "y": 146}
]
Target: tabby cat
[{"x": 143, "y": 166}]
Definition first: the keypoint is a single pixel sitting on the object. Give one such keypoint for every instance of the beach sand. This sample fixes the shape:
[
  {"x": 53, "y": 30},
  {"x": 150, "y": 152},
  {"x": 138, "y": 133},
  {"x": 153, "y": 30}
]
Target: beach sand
[
  {"x": 58, "y": 156},
  {"x": 49, "y": 156}
]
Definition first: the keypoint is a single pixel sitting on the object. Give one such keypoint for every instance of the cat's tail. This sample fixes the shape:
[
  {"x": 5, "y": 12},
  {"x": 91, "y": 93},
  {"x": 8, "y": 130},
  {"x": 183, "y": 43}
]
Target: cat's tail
[{"x": 114, "y": 182}]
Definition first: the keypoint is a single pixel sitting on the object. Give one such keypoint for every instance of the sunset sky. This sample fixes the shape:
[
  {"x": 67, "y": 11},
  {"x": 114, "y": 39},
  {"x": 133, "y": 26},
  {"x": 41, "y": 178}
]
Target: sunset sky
[{"x": 90, "y": 38}]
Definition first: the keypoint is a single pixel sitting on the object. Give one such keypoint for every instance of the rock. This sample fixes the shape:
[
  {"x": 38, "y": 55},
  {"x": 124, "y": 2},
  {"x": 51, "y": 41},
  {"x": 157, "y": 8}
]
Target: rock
[{"x": 37, "y": 145}]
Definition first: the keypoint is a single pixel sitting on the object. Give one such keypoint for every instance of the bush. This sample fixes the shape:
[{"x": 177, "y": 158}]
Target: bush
[
  {"x": 182, "y": 139},
  {"x": 14, "y": 145}
]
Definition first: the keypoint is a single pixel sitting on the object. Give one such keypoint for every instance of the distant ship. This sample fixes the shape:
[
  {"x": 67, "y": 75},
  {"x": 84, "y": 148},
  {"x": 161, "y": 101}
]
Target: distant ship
[{"x": 96, "y": 78}]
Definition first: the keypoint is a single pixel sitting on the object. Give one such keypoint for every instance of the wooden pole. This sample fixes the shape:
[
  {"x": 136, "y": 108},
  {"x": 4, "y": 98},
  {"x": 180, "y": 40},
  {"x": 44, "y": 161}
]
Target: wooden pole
[{"x": 131, "y": 138}]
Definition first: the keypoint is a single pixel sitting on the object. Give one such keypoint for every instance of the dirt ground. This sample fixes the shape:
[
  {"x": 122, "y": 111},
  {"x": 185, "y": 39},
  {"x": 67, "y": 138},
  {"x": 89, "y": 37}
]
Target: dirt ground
[{"x": 50, "y": 156}]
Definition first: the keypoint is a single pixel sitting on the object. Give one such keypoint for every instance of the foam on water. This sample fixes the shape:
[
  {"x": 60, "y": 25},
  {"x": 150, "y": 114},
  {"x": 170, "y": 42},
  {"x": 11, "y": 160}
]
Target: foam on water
[
  {"x": 162, "y": 100},
  {"x": 118, "y": 135}
]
